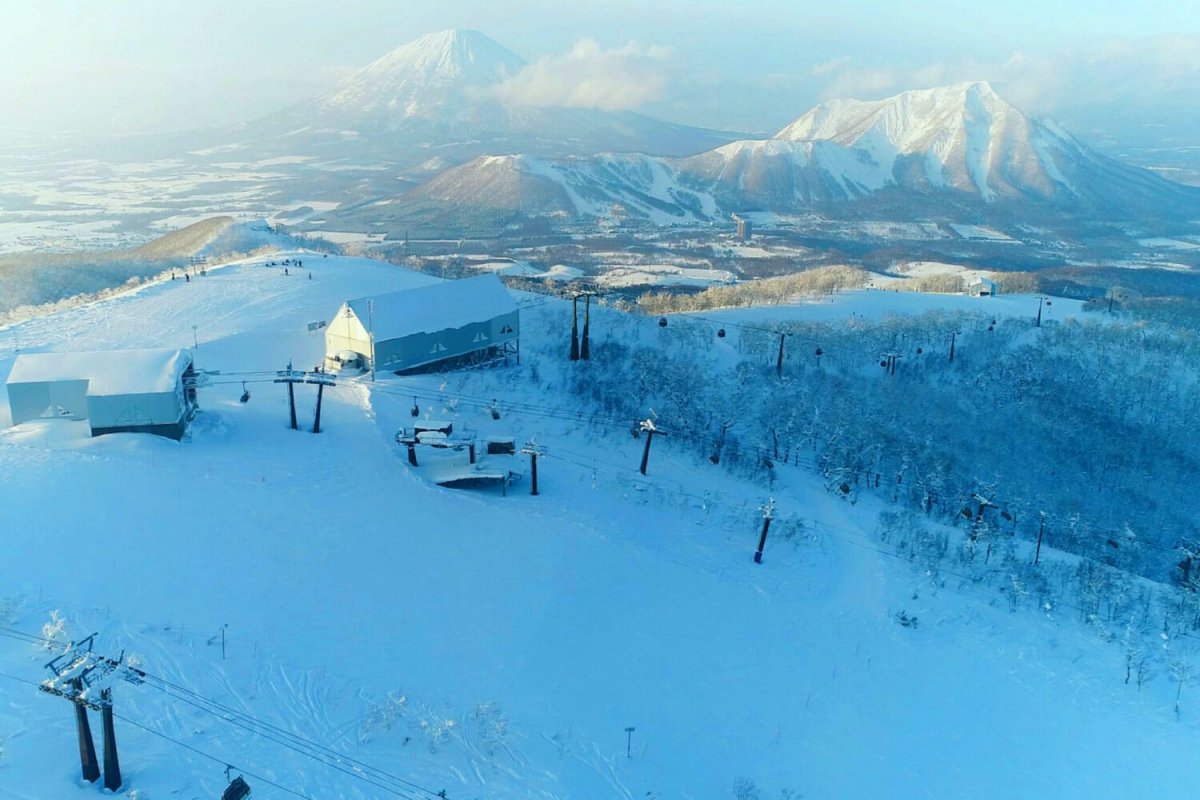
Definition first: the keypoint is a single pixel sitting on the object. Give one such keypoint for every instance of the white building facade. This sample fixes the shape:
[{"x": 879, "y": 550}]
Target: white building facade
[
  {"x": 138, "y": 391},
  {"x": 438, "y": 324}
]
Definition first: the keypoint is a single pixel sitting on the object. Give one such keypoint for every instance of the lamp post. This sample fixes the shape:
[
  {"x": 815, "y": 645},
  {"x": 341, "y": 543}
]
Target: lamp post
[
  {"x": 585, "y": 351},
  {"x": 371, "y": 334}
]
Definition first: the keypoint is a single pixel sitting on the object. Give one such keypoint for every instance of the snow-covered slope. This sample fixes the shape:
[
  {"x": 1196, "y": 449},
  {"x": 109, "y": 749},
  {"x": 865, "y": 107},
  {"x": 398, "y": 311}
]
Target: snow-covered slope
[
  {"x": 502, "y": 191},
  {"x": 501, "y": 646}
]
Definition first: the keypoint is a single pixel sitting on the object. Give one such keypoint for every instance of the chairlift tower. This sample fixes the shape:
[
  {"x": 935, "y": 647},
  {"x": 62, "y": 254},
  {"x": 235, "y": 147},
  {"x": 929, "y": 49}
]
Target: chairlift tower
[
  {"x": 533, "y": 450},
  {"x": 78, "y": 675},
  {"x": 648, "y": 427}
]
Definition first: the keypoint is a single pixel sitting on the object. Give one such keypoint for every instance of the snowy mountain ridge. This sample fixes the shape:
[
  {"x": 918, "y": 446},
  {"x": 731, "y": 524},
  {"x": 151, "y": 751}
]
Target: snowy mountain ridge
[
  {"x": 964, "y": 136},
  {"x": 918, "y": 150}
]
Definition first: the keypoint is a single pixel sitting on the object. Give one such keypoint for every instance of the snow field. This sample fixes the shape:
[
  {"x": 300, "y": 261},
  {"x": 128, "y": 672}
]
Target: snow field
[{"x": 499, "y": 646}]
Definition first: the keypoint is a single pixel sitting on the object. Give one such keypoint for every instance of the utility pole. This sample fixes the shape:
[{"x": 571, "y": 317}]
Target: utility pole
[
  {"x": 1037, "y": 554},
  {"x": 371, "y": 333},
  {"x": 647, "y": 426},
  {"x": 1047, "y": 301},
  {"x": 952, "y": 335},
  {"x": 768, "y": 512},
  {"x": 322, "y": 380},
  {"x": 779, "y": 359},
  {"x": 629, "y": 741},
  {"x": 575, "y": 328},
  {"x": 532, "y": 450},
  {"x": 585, "y": 350},
  {"x": 291, "y": 378}
]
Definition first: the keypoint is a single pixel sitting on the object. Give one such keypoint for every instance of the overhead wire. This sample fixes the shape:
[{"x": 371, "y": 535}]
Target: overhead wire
[
  {"x": 278, "y": 734},
  {"x": 222, "y": 761},
  {"x": 211, "y": 757},
  {"x": 274, "y": 733}
]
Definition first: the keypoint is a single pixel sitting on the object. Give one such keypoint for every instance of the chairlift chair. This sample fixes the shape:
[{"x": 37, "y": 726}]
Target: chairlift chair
[
  {"x": 238, "y": 789},
  {"x": 245, "y": 398}
]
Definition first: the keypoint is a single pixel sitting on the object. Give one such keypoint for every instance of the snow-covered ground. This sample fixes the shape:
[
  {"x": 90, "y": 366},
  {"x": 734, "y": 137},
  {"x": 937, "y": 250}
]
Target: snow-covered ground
[
  {"x": 617, "y": 276},
  {"x": 500, "y": 646},
  {"x": 906, "y": 270}
]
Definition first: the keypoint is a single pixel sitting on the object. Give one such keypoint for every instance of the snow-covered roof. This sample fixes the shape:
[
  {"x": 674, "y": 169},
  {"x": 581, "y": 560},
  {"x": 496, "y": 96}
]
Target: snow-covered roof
[
  {"x": 107, "y": 373},
  {"x": 436, "y": 307}
]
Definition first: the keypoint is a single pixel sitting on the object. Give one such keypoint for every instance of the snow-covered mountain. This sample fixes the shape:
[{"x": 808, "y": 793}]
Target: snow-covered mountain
[
  {"x": 962, "y": 139},
  {"x": 439, "y": 75},
  {"x": 438, "y": 98},
  {"x": 919, "y": 150},
  {"x": 493, "y": 192}
]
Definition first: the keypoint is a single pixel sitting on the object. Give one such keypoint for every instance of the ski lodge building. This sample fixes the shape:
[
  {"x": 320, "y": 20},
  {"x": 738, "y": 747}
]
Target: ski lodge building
[
  {"x": 982, "y": 287},
  {"x": 441, "y": 324},
  {"x": 138, "y": 391}
]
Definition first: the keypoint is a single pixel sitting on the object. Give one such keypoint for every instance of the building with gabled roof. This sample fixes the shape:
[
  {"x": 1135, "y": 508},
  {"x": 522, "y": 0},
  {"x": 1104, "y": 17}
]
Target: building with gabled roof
[
  {"x": 140, "y": 391},
  {"x": 441, "y": 324},
  {"x": 982, "y": 287}
]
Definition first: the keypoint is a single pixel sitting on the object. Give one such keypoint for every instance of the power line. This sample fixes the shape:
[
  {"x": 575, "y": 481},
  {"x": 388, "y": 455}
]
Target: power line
[
  {"x": 211, "y": 757},
  {"x": 273, "y": 732},
  {"x": 259, "y": 732},
  {"x": 265, "y": 729}
]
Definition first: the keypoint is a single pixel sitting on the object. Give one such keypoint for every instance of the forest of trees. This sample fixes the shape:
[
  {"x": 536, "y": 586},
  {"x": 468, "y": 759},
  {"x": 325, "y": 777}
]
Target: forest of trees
[{"x": 1080, "y": 430}]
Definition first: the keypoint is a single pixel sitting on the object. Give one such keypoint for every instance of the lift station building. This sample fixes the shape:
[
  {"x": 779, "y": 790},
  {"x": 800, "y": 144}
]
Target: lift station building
[
  {"x": 138, "y": 391},
  {"x": 439, "y": 325}
]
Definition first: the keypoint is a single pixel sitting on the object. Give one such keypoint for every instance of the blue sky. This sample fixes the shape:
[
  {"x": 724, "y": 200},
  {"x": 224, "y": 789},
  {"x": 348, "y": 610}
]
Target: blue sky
[{"x": 160, "y": 65}]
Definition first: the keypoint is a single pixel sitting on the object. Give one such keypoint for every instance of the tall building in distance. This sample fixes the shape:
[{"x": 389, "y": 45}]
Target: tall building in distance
[{"x": 744, "y": 228}]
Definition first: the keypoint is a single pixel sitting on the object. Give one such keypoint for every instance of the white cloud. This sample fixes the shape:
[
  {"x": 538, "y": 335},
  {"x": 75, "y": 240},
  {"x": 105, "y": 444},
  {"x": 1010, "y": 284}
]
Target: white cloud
[{"x": 591, "y": 76}]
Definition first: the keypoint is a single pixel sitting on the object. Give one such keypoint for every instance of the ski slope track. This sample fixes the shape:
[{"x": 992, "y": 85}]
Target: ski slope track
[{"x": 384, "y": 637}]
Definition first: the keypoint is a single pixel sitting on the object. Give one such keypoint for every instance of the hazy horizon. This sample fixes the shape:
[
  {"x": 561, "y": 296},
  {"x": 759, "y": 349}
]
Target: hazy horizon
[{"x": 1110, "y": 73}]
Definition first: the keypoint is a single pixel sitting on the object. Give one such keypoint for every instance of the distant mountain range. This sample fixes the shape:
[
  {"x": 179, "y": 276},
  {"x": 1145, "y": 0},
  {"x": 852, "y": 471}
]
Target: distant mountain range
[
  {"x": 425, "y": 138},
  {"x": 919, "y": 152}
]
